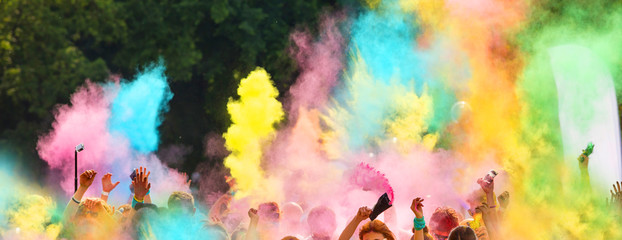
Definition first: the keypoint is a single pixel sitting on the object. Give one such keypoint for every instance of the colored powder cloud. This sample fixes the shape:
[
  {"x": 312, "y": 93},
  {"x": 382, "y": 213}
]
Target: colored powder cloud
[
  {"x": 407, "y": 63},
  {"x": 26, "y": 210},
  {"x": 136, "y": 110},
  {"x": 84, "y": 121},
  {"x": 320, "y": 63},
  {"x": 253, "y": 117},
  {"x": 117, "y": 122}
]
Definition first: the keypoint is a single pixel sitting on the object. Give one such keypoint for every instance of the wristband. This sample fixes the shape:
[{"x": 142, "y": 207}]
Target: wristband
[
  {"x": 105, "y": 193},
  {"x": 137, "y": 199},
  {"x": 134, "y": 202},
  {"x": 74, "y": 200},
  {"x": 419, "y": 223},
  {"x": 148, "y": 191}
]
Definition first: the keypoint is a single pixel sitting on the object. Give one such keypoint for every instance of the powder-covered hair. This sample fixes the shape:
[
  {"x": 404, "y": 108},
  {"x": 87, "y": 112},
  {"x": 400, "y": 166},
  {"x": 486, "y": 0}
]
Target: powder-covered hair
[
  {"x": 445, "y": 219},
  {"x": 376, "y": 226}
]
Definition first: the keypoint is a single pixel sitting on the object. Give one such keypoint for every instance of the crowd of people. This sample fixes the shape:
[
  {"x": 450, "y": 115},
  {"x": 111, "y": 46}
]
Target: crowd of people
[{"x": 94, "y": 218}]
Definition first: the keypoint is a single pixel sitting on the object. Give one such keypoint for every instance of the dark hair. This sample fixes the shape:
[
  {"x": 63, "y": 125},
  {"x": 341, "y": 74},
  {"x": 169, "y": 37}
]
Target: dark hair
[
  {"x": 289, "y": 238},
  {"x": 139, "y": 206},
  {"x": 462, "y": 233},
  {"x": 378, "y": 227}
]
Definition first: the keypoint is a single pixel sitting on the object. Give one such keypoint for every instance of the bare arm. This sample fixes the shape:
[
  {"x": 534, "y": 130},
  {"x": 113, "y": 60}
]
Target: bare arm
[
  {"x": 107, "y": 186},
  {"x": 490, "y": 221},
  {"x": 223, "y": 200},
  {"x": 585, "y": 175},
  {"x": 361, "y": 215},
  {"x": 86, "y": 179},
  {"x": 251, "y": 233},
  {"x": 504, "y": 201},
  {"x": 417, "y": 207}
]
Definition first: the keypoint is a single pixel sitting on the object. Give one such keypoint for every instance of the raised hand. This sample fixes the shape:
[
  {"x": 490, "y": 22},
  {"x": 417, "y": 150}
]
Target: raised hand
[
  {"x": 186, "y": 179},
  {"x": 583, "y": 164},
  {"x": 141, "y": 184},
  {"x": 107, "y": 185},
  {"x": 215, "y": 220},
  {"x": 616, "y": 194},
  {"x": 484, "y": 210},
  {"x": 252, "y": 214},
  {"x": 363, "y": 213},
  {"x": 487, "y": 187},
  {"x": 87, "y": 177},
  {"x": 417, "y": 207},
  {"x": 504, "y": 199}
]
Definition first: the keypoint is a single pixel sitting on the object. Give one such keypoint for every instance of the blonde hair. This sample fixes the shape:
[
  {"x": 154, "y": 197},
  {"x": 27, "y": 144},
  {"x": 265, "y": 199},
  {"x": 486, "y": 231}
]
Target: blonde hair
[
  {"x": 181, "y": 200},
  {"x": 107, "y": 208},
  {"x": 376, "y": 226}
]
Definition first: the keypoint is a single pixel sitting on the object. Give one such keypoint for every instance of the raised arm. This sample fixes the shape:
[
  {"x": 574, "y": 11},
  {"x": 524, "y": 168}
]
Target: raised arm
[
  {"x": 489, "y": 190},
  {"x": 419, "y": 223},
  {"x": 86, "y": 179},
  {"x": 504, "y": 201},
  {"x": 141, "y": 186},
  {"x": 616, "y": 196},
  {"x": 251, "y": 233},
  {"x": 490, "y": 221},
  {"x": 585, "y": 175},
  {"x": 107, "y": 186},
  {"x": 215, "y": 211},
  {"x": 362, "y": 214}
]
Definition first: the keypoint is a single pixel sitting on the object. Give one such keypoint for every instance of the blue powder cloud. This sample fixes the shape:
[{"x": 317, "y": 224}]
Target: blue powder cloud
[{"x": 137, "y": 109}]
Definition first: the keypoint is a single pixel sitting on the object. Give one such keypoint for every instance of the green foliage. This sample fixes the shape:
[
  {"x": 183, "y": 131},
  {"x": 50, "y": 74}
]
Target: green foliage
[
  {"x": 48, "y": 48},
  {"x": 40, "y": 64}
]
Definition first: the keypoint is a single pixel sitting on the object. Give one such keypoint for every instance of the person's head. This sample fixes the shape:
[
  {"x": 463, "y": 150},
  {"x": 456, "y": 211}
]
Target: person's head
[
  {"x": 181, "y": 202},
  {"x": 462, "y": 233},
  {"x": 94, "y": 208},
  {"x": 125, "y": 209},
  {"x": 141, "y": 221},
  {"x": 289, "y": 238},
  {"x": 443, "y": 220},
  {"x": 138, "y": 206},
  {"x": 375, "y": 230},
  {"x": 269, "y": 212},
  {"x": 93, "y": 219},
  {"x": 292, "y": 212},
  {"x": 322, "y": 222}
]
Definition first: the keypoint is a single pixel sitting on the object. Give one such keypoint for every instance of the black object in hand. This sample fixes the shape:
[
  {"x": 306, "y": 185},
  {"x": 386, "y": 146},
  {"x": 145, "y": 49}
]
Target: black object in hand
[{"x": 383, "y": 204}]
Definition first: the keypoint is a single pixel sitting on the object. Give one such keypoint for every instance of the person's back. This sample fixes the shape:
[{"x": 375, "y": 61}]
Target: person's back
[
  {"x": 217, "y": 232},
  {"x": 462, "y": 233}
]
